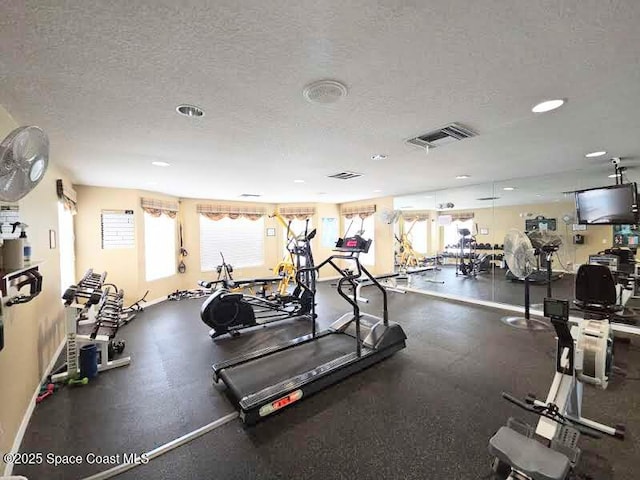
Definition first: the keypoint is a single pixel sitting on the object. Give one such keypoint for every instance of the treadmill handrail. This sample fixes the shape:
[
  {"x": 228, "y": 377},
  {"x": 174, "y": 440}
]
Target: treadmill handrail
[{"x": 357, "y": 274}]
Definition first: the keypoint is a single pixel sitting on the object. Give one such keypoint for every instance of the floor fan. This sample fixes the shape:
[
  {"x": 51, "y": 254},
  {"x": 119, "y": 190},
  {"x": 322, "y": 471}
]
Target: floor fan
[{"x": 519, "y": 255}]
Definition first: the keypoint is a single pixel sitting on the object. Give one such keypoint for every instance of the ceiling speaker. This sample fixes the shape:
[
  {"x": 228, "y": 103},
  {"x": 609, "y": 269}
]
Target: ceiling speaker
[{"x": 324, "y": 91}]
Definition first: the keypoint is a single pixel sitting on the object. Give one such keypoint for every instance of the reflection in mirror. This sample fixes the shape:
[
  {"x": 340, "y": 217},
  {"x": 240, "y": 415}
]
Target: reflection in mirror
[
  {"x": 459, "y": 248},
  {"x": 543, "y": 209}
]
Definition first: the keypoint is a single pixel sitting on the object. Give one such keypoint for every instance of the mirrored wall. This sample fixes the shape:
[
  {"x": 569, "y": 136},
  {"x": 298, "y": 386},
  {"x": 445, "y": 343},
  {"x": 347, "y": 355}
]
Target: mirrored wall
[{"x": 461, "y": 233}]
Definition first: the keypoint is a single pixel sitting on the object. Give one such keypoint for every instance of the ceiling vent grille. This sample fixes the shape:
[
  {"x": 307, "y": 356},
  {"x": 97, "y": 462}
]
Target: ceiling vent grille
[
  {"x": 487, "y": 198},
  {"x": 443, "y": 136},
  {"x": 345, "y": 175},
  {"x": 250, "y": 195}
]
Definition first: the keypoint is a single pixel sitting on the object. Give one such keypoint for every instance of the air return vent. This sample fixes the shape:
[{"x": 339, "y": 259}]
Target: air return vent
[
  {"x": 487, "y": 198},
  {"x": 250, "y": 195},
  {"x": 443, "y": 136},
  {"x": 345, "y": 175}
]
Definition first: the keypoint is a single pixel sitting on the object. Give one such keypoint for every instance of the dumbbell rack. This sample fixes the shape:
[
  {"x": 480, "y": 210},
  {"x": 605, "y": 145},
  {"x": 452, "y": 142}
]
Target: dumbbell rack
[{"x": 90, "y": 303}]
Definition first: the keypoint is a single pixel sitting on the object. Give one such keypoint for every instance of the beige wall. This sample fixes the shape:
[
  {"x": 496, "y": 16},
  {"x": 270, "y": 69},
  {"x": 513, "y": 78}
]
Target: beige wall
[
  {"x": 124, "y": 266},
  {"x": 383, "y": 236},
  {"x": 33, "y": 330},
  {"x": 500, "y": 220}
]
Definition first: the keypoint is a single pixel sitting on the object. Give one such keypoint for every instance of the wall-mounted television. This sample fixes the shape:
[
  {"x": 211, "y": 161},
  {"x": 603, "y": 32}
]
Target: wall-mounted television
[{"x": 614, "y": 205}]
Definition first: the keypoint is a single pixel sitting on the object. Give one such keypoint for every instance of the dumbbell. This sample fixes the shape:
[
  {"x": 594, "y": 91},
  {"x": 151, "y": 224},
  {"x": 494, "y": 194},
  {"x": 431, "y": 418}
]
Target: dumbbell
[
  {"x": 77, "y": 382},
  {"x": 116, "y": 347},
  {"x": 74, "y": 292}
]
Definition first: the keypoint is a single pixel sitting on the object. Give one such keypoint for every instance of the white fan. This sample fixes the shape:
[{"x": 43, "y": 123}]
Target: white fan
[
  {"x": 521, "y": 260},
  {"x": 24, "y": 158},
  {"x": 390, "y": 216}
]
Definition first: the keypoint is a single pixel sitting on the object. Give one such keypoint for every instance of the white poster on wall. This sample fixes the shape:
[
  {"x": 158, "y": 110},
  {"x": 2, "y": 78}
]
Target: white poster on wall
[{"x": 329, "y": 232}]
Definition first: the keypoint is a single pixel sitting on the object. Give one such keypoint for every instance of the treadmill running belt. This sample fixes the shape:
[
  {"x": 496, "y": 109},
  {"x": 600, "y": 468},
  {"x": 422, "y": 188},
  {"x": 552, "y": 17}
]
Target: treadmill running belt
[{"x": 251, "y": 377}]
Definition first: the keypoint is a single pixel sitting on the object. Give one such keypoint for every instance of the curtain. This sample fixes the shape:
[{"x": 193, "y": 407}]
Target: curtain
[
  {"x": 462, "y": 216},
  {"x": 156, "y": 208},
  {"x": 67, "y": 196},
  {"x": 362, "y": 211},
  {"x": 218, "y": 212},
  {"x": 415, "y": 216},
  {"x": 297, "y": 213}
]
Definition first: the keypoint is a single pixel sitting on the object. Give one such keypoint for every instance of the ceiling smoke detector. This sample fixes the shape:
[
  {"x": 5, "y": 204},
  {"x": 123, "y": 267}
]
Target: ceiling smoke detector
[{"x": 324, "y": 92}]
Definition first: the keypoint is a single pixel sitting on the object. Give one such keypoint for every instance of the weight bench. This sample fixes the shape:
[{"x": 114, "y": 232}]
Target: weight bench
[{"x": 528, "y": 456}]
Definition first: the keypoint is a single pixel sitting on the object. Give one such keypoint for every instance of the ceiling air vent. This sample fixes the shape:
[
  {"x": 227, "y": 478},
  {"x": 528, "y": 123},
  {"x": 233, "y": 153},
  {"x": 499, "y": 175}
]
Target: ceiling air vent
[
  {"x": 487, "y": 198},
  {"x": 250, "y": 195},
  {"x": 443, "y": 136},
  {"x": 345, "y": 175}
]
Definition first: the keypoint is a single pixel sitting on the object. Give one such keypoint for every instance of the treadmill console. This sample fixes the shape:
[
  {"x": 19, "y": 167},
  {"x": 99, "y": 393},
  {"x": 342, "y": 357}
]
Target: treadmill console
[{"x": 355, "y": 244}]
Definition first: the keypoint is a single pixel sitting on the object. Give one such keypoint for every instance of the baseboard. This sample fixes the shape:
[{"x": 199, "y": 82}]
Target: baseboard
[
  {"x": 329, "y": 279},
  {"x": 17, "y": 441},
  {"x": 149, "y": 303}
]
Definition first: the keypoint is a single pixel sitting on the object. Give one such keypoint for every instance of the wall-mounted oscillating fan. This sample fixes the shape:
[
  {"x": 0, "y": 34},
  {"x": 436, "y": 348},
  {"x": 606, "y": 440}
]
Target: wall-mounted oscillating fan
[
  {"x": 24, "y": 158},
  {"x": 390, "y": 216},
  {"x": 520, "y": 257}
]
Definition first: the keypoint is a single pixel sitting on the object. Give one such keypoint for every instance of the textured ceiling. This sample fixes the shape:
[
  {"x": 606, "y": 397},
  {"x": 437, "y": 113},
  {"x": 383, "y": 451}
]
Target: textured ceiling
[{"x": 104, "y": 78}]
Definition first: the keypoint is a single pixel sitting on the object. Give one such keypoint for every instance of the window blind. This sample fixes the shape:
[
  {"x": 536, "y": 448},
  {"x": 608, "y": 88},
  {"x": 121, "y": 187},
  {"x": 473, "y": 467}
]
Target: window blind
[{"x": 240, "y": 240}]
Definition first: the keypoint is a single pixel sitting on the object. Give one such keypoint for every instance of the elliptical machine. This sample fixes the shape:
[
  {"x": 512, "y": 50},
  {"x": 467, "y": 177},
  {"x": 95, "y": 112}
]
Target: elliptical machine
[
  {"x": 584, "y": 355},
  {"x": 227, "y": 311}
]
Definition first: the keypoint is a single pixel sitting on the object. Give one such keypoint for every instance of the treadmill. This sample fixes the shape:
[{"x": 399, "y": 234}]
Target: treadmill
[{"x": 263, "y": 382}]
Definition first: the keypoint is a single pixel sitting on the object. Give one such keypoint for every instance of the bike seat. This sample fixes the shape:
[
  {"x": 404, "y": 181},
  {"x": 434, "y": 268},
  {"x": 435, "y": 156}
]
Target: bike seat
[{"x": 528, "y": 455}]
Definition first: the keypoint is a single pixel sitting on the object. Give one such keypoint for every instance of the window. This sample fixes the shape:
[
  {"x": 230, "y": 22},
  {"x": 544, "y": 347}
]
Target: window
[
  {"x": 418, "y": 236},
  {"x": 241, "y": 241},
  {"x": 66, "y": 242},
  {"x": 159, "y": 246},
  {"x": 368, "y": 226},
  {"x": 451, "y": 235}
]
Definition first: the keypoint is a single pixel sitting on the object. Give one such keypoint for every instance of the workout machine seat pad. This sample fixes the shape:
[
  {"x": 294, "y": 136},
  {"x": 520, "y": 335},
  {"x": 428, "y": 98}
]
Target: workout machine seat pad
[{"x": 528, "y": 455}]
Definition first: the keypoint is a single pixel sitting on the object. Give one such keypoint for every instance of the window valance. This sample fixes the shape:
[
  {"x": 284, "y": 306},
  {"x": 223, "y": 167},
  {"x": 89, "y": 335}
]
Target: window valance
[
  {"x": 218, "y": 212},
  {"x": 362, "y": 211},
  {"x": 415, "y": 216},
  {"x": 297, "y": 213},
  {"x": 156, "y": 207},
  {"x": 67, "y": 195},
  {"x": 461, "y": 216}
]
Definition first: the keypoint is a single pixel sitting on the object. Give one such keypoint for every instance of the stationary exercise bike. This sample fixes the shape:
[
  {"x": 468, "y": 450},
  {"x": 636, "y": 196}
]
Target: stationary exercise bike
[
  {"x": 584, "y": 355},
  {"x": 226, "y": 311}
]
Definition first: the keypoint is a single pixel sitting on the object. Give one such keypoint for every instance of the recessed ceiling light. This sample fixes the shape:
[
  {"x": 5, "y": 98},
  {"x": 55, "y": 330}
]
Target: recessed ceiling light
[
  {"x": 595, "y": 154},
  {"x": 378, "y": 156},
  {"x": 428, "y": 196},
  {"x": 298, "y": 181},
  {"x": 152, "y": 183},
  {"x": 508, "y": 189},
  {"x": 547, "y": 106},
  {"x": 614, "y": 175},
  {"x": 189, "y": 110},
  {"x": 322, "y": 193},
  {"x": 160, "y": 164},
  {"x": 377, "y": 191},
  {"x": 462, "y": 177}
]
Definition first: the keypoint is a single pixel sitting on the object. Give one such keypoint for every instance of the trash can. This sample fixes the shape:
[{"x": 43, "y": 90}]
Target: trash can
[{"x": 89, "y": 361}]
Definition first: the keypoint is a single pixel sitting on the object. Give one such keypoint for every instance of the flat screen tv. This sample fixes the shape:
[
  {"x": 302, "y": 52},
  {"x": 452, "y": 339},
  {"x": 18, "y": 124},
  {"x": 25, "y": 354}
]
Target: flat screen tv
[{"x": 614, "y": 205}]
